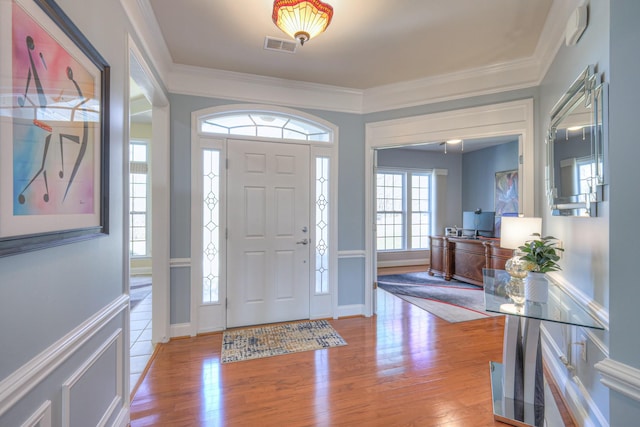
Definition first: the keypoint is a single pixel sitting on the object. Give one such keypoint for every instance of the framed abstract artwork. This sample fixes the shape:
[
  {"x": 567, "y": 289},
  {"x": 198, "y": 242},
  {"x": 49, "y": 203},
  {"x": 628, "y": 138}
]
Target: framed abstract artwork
[
  {"x": 506, "y": 196},
  {"x": 54, "y": 122}
]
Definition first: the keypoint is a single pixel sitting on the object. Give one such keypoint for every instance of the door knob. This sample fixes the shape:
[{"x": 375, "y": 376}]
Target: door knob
[{"x": 303, "y": 242}]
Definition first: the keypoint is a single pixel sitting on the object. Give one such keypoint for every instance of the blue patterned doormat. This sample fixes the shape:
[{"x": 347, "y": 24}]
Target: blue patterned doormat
[{"x": 275, "y": 340}]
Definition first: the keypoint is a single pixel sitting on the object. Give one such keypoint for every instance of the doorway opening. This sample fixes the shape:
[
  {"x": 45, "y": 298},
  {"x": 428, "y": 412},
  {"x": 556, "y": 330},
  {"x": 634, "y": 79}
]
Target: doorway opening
[
  {"x": 140, "y": 220},
  {"x": 146, "y": 201},
  {"x": 507, "y": 119}
]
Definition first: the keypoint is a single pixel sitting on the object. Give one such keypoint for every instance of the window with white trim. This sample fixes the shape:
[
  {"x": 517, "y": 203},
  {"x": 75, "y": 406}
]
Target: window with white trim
[
  {"x": 403, "y": 200},
  {"x": 138, "y": 199},
  {"x": 265, "y": 125},
  {"x": 586, "y": 174}
]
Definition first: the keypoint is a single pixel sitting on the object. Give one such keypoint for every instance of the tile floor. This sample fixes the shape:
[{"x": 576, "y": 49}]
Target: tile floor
[{"x": 141, "y": 347}]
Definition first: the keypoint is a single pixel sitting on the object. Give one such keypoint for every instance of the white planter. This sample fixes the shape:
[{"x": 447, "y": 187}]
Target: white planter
[{"x": 536, "y": 287}]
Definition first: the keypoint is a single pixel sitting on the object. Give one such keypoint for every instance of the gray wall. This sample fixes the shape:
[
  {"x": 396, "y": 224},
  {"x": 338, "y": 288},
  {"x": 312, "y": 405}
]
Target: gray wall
[
  {"x": 624, "y": 152},
  {"x": 585, "y": 262},
  {"x": 479, "y": 174},
  {"x": 49, "y": 293}
]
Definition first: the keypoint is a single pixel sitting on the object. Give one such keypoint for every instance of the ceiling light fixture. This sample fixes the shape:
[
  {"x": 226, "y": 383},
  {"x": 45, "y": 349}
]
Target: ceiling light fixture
[
  {"x": 453, "y": 142},
  {"x": 302, "y": 19}
]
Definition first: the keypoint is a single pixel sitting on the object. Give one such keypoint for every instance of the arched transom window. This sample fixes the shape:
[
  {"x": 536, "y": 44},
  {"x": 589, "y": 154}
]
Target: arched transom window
[{"x": 265, "y": 124}]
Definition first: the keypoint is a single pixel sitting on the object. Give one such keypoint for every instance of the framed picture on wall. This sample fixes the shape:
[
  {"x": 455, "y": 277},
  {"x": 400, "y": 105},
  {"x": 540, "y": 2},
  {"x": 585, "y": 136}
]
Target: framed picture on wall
[
  {"x": 54, "y": 121},
  {"x": 506, "y": 196}
]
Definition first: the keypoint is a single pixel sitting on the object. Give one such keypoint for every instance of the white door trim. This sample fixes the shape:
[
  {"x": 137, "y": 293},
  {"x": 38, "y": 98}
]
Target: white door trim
[
  {"x": 160, "y": 185},
  {"x": 322, "y": 305},
  {"x": 509, "y": 118}
]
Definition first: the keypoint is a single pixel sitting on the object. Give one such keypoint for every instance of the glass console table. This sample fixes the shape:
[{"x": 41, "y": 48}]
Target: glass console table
[{"x": 517, "y": 383}]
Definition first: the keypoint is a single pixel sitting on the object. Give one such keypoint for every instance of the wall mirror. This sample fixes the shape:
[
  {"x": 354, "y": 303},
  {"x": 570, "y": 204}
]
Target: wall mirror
[{"x": 575, "y": 148}]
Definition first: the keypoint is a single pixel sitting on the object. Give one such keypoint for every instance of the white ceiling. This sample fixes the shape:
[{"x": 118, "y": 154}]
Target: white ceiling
[{"x": 370, "y": 43}]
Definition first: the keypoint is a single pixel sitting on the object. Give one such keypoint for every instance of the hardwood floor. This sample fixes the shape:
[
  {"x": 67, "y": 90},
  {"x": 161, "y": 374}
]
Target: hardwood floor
[{"x": 402, "y": 367}]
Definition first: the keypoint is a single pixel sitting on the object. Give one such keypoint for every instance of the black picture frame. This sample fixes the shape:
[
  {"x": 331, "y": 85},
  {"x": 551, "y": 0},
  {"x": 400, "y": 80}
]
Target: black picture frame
[{"x": 67, "y": 118}]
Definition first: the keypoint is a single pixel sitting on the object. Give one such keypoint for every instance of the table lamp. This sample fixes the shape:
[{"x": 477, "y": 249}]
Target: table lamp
[{"x": 515, "y": 231}]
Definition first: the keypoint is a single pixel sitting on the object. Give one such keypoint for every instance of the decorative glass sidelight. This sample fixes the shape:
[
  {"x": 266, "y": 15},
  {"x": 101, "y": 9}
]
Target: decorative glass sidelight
[
  {"x": 322, "y": 225},
  {"x": 210, "y": 226}
]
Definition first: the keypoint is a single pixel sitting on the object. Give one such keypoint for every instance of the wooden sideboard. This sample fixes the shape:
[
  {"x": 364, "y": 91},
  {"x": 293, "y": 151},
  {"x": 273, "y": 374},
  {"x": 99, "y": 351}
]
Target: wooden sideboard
[{"x": 463, "y": 259}]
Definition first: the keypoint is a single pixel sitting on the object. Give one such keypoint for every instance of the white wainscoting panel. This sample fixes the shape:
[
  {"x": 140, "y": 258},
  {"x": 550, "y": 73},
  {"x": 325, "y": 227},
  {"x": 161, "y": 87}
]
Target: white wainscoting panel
[
  {"x": 19, "y": 383},
  {"x": 41, "y": 417},
  {"x": 582, "y": 406},
  {"x": 77, "y": 376},
  {"x": 594, "y": 308}
]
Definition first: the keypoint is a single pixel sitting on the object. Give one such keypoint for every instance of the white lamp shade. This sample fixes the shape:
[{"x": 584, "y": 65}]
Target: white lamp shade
[{"x": 515, "y": 231}]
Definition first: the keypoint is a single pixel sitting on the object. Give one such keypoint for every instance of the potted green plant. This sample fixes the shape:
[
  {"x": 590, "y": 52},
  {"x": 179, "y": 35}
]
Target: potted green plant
[{"x": 543, "y": 255}]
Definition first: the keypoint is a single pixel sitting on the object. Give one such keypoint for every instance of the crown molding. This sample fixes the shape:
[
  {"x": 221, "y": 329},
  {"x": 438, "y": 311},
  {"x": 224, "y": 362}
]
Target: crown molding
[
  {"x": 463, "y": 84},
  {"x": 252, "y": 88},
  {"x": 552, "y": 36},
  {"x": 189, "y": 80},
  {"x": 513, "y": 75},
  {"x": 147, "y": 31}
]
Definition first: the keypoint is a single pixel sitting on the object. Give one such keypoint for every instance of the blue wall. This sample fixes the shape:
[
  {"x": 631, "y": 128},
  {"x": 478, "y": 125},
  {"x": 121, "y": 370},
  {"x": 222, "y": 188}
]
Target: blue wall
[
  {"x": 585, "y": 262},
  {"x": 624, "y": 152},
  {"x": 479, "y": 174},
  {"x": 48, "y": 296}
]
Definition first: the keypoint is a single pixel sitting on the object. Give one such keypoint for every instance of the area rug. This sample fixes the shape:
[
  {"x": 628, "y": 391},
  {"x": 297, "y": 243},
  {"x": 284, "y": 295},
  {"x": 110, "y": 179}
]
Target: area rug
[
  {"x": 452, "y": 301},
  {"x": 276, "y": 340},
  {"x": 423, "y": 278}
]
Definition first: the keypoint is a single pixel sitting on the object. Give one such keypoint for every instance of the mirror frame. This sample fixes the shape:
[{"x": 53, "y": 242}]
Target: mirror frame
[{"x": 589, "y": 89}]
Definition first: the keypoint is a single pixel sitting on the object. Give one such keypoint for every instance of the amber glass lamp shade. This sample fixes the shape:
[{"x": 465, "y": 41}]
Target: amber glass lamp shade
[{"x": 302, "y": 19}]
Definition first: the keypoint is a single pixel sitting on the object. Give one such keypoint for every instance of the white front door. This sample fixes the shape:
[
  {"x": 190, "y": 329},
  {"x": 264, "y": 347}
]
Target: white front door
[{"x": 268, "y": 240}]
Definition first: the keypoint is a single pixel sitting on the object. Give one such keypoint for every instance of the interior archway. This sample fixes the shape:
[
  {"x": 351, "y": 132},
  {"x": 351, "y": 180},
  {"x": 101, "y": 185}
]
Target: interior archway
[{"x": 510, "y": 118}]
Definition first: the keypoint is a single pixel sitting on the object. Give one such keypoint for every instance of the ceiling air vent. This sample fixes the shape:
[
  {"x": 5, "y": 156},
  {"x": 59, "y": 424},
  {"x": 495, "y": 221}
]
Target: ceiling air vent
[{"x": 280, "y": 45}]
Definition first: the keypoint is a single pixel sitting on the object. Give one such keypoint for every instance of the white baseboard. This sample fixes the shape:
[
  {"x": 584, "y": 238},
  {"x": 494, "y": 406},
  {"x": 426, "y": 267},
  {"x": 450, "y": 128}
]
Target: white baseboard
[
  {"x": 350, "y": 310},
  {"x": 140, "y": 271},
  {"x": 402, "y": 263},
  {"x": 180, "y": 330}
]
